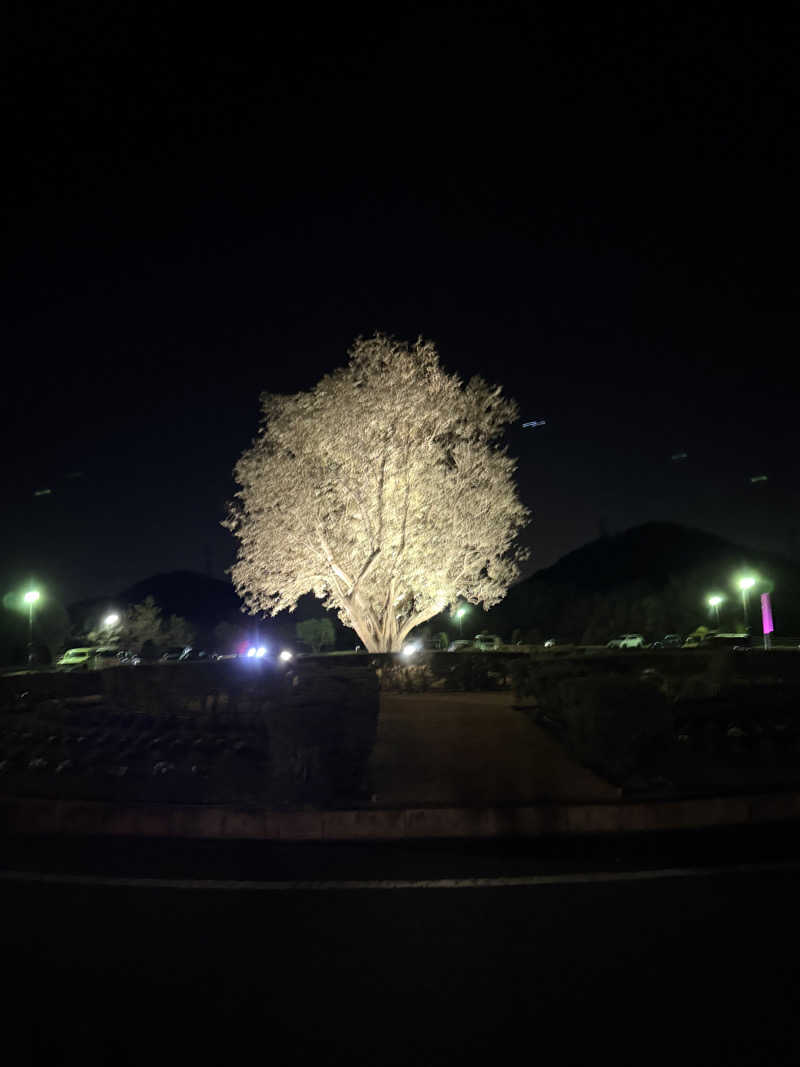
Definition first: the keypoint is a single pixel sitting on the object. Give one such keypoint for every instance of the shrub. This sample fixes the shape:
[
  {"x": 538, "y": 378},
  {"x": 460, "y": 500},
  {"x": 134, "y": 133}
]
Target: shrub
[{"x": 613, "y": 723}]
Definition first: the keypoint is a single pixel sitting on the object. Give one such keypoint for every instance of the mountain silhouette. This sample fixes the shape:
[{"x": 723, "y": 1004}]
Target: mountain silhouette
[
  {"x": 653, "y": 579},
  {"x": 203, "y": 601},
  {"x": 651, "y": 552}
]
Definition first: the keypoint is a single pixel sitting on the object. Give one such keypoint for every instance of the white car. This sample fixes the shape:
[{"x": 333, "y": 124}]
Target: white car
[
  {"x": 487, "y": 642},
  {"x": 627, "y": 641},
  {"x": 76, "y": 659}
]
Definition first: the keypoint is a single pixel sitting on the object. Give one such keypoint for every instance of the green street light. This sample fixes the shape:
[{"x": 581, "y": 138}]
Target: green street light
[
  {"x": 110, "y": 620},
  {"x": 714, "y": 602},
  {"x": 30, "y": 598},
  {"x": 746, "y": 584},
  {"x": 460, "y": 613}
]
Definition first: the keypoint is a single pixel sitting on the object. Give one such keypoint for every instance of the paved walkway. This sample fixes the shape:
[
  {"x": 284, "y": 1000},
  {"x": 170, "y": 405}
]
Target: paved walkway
[{"x": 468, "y": 750}]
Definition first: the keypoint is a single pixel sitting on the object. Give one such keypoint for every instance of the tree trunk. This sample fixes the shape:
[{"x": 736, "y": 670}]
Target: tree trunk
[
  {"x": 390, "y": 637},
  {"x": 361, "y": 627}
]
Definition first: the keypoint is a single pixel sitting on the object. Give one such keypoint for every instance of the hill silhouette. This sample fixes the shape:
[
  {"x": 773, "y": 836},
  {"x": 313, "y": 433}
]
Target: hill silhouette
[
  {"x": 205, "y": 602},
  {"x": 650, "y": 579},
  {"x": 202, "y": 600},
  {"x": 651, "y": 552}
]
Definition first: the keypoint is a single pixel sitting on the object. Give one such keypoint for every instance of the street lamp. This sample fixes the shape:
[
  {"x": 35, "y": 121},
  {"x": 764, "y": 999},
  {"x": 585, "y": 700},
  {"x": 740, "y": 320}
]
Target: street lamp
[
  {"x": 746, "y": 584},
  {"x": 460, "y": 615},
  {"x": 30, "y": 599},
  {"x": 714, "y": 603},
  {"x": 110, "y": 620}
]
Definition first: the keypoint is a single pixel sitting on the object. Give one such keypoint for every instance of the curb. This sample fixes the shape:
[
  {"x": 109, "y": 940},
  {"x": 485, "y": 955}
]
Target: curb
[{"x": 91, "y": 818}]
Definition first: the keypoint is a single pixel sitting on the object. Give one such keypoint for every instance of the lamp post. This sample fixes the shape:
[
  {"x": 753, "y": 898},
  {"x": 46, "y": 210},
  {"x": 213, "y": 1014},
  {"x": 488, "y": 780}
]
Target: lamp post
[
  {"x": 746, "y": 584},
  {"x": 460, "y": 613},
  {"x": 30, "y": 599},
  {"x": 714, "y": 602}
]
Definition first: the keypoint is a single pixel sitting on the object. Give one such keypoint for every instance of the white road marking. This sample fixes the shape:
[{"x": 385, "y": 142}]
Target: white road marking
[{"x": 335, "y": 885}]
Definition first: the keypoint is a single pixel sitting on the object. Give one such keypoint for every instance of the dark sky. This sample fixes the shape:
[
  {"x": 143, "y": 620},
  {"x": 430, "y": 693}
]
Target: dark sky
[{"x": 596, "y": 211}]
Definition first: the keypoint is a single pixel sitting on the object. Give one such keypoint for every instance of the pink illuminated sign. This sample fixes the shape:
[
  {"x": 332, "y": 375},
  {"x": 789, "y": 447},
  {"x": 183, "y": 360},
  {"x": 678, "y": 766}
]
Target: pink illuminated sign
[{"x": 766, "y": 613}]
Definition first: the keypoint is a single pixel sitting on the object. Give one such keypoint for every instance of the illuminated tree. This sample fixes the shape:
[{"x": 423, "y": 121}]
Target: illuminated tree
[{"x": 384, "y": 490}]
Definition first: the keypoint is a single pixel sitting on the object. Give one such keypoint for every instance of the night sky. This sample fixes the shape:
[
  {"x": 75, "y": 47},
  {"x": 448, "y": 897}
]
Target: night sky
[{"x": 598, "y": 212}]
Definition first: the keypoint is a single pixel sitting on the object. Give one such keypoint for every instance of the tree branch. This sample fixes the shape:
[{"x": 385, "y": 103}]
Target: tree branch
[
  {"x": 381, "y": 482},
  {"x": 402, "y": 546},
  {"x": 337, "y": 570},
  {"x": 416, "y": 620},
  {"x": 365, "y": 569},
  {"x": 352, "y": 595},
  {"x": 388, "y": 620},
  {"x": 363, "y": 510}
]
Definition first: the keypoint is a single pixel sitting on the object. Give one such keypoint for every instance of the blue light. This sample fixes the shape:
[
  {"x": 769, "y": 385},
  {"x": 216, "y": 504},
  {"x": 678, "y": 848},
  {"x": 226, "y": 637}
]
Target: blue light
[{"x": 250, "y": 653}]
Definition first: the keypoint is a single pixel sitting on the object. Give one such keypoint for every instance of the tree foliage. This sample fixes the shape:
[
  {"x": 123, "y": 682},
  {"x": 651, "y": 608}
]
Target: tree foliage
[
  {"x": 317, "y": 633},
  {"x": 177, "y": 631},
  {"x": 384, "y": 490},
  {"x": 143, "y": 624}
]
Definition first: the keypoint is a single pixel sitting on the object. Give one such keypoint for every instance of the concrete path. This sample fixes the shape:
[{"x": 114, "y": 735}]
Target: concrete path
[{"x": 471, "y": 750}]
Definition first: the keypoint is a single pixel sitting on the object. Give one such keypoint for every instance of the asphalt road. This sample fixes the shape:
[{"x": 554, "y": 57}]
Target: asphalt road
[{"x": 635, "y": 951}]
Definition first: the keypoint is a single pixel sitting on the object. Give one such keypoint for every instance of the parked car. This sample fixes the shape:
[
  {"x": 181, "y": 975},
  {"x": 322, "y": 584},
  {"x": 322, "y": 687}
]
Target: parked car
[
  {"x": 127, "y": 658},
  {"x": 436, "y": 643},
  {"x": 425, "y": 644},
  {"x": 696, "y": 639},
  {"x": 172, "y": 655},
  {"x": 106, "y": 657},
  {"x": 194, "y": 655},
  {"x": 550, "y": 642},
  {"x": 461, "y": 645},
  {"x": 627, "y": 641},
  {"x": 76, "y": 659},
  {"x": 487, "y": 642},
  {"x": 669, "y": 641},
  {"x": 727, "y": 641}
]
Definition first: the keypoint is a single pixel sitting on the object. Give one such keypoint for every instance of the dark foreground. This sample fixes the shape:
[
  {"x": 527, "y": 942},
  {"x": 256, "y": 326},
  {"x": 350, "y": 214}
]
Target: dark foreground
[{"x": 700, "y": 967}]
